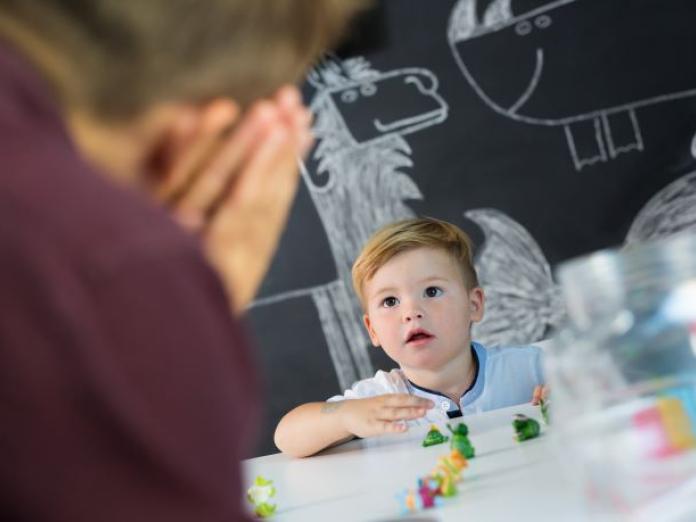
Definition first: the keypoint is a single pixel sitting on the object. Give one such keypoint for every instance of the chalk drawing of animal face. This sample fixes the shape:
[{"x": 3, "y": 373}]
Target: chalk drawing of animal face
[
  {"x": 362, "y": 106},
  {"x": 358, "y": 184},
  {"x": 554, "y": 57}
]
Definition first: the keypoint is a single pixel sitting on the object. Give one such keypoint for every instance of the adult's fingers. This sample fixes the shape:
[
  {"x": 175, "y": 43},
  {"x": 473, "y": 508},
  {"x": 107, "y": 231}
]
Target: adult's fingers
[
  {"x": 296, "y": 115},
  {"x": 243, "y": 231},
  {"x": 227, "y": 161},
  {"x": 185, "y": 165},
  {"x": 268, "y": 181}
]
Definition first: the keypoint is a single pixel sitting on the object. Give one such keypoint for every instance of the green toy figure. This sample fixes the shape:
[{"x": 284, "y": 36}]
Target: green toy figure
[
  {"x": 434, "y": 437},
  {"x": 544, "y": 406},
  {"x": 259, "y": 494},
  {"x": 460, "y": 440},
  {"x": 525, "y": 428}
]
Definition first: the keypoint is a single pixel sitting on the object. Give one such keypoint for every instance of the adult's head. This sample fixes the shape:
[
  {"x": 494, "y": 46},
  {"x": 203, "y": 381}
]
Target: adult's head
[
  {"x": 115, "y": 58},
  {"x": 133, "y": 66}
]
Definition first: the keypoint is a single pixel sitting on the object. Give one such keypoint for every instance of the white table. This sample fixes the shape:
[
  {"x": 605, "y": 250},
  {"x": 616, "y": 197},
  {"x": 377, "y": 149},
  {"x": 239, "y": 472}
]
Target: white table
[{"x": 359, "y": 481}]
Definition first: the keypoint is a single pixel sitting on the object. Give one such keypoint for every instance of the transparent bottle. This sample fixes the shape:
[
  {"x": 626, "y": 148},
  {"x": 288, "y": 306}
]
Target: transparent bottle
[{"x": 623, "y": 378}]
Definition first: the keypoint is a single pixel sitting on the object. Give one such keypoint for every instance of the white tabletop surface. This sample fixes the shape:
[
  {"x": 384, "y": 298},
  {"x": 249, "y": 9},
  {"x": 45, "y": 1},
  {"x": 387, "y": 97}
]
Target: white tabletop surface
[{"x": 507, "y": 480}]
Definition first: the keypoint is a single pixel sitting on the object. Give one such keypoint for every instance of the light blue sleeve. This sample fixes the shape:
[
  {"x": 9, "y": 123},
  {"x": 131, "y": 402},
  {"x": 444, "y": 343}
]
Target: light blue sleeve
[
  {"x": 511, "y": 375},
  {"x": 541, "y": 376}
]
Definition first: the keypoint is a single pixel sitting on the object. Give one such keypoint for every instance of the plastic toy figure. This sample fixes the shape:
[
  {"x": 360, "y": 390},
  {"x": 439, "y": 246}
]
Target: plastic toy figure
[
  {"x": 259, "y": 494},
  {"x": 434, "y": 437},
  {"x": 457, "y": 460},
  {"x": 446, "y": 478},
  {"x": 427, "y": 496},
  {"x": 453, "y": 464},
  {"x": 525, "y": 428},
  {"x": 460, "y": 440},
  {"x": 409, "y": 501},
  {"x": 428, "y": 490},
  {"x": 448, "y": 472},
  {"x": 544, "y": 406},
  {"x": 440, "y": 483}
]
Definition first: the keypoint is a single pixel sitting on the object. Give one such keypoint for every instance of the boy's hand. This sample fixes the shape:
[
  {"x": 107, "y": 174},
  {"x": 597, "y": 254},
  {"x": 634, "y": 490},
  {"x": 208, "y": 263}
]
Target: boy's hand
[
  {"x": 540, "y": 393},
  {"x": 382, "y": 414},
  {"x": 232, "y": 182}
]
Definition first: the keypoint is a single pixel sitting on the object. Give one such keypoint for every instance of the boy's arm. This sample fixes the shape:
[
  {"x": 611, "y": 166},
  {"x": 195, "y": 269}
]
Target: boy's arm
[
  {"x": 310, "y": 428},
  {"x": 314, "y": 426}
]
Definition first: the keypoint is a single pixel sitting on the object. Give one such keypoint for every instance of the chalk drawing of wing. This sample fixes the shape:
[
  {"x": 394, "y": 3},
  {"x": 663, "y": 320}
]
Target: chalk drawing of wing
[
  {"x": 522, "y": 301},
  {"x": 671, "y": 210}
]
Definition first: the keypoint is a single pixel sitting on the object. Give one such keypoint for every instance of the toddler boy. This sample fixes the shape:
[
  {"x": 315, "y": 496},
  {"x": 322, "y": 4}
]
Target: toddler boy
[{"x": 418, "y": 287}]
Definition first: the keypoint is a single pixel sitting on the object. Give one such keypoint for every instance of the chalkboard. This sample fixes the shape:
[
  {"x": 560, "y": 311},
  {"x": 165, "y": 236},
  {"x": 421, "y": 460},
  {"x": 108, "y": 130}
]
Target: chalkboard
[{"x": 545, "y": 129}]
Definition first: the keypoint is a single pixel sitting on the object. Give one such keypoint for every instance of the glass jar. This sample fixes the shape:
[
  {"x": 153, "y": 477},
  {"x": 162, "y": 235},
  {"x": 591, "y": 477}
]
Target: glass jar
[{"x": 623, "y": 377}]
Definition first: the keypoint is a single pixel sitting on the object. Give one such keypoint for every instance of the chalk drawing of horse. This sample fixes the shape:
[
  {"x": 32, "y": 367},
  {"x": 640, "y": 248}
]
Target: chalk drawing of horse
[{"x": 359, "y": 184}]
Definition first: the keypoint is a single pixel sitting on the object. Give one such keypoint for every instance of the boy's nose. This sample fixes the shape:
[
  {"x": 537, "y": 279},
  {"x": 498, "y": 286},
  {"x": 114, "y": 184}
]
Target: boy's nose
[{"x": 409, "y": 316}]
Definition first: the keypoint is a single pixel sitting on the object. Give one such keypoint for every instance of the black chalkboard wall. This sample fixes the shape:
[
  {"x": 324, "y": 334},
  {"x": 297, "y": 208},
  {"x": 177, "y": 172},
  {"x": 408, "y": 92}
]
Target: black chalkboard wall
[{"x": 546, "y": 129}]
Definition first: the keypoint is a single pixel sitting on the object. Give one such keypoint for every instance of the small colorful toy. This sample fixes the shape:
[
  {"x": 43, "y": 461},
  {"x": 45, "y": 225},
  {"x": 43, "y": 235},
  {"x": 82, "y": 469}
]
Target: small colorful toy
[
  {"x": 428, "y": 491},
  {"x": 259, "y": 494},
  {"x": 448, "y": 472},
  {"x": 446, "y": 484},
  {"x": 457, "y": 460},
  {"x": 544, "y": 406},
  {"x": 460, "y": 440},
  {"x": 525, "y": 427},
  {"x": 425, "y": 497},
  {"x": 440, "y": 483},
  {"x": 434, "y": 437}
]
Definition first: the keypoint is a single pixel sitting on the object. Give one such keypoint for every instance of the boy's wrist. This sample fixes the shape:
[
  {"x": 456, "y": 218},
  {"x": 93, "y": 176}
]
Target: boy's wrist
[{"x": 336, "y": 410}]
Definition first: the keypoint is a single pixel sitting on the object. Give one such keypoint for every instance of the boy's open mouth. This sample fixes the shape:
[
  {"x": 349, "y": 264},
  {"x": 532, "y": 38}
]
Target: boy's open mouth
[{"x": 418, "y": 334}]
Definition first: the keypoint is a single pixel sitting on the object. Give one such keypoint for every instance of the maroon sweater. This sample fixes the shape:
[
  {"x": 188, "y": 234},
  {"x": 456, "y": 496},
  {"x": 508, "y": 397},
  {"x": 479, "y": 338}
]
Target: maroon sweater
[{"x": 126, "y": 390}]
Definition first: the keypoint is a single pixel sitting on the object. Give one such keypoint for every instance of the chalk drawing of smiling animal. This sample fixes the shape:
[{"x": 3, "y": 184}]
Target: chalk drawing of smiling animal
[
  {"x": 357, "y": 184},
  {"x": 360, "y": 96},
  {"x": 555, "y": 54}
]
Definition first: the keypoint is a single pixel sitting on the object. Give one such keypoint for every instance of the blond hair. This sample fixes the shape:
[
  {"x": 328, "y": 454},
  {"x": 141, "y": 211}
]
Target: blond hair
[
  {"x": 118, "y": 57},
  {"x": 409, "y": 234}
]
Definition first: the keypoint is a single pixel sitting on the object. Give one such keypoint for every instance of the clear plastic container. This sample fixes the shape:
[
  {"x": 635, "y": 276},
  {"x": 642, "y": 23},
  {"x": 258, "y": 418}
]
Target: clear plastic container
[{"x": 623, "y": 378}]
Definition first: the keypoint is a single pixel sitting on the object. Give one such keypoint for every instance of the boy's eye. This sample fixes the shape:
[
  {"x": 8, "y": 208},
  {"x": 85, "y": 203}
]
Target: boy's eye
[
  {"x": 389, "y": 302},
  {"x": 433, "y": 291}
]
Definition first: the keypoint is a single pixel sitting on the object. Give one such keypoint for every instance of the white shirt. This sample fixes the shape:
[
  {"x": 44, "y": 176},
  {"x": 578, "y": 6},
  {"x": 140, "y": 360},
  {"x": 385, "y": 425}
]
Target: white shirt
[{"x": 506, "y": 376}]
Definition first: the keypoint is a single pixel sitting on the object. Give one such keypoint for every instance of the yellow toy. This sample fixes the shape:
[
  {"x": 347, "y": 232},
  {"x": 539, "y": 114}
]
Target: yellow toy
[{"x": 448, "y": 472}]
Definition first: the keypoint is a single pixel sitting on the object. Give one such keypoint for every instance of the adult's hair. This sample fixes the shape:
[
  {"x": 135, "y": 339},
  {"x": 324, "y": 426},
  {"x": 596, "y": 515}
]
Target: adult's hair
[
  {"x": 409, "y": 234},
  {"x": 118, "y": 57}
]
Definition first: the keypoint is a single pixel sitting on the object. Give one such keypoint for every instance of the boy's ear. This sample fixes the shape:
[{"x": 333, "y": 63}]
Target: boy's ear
[
  {"x": 371, "y": 331},
  {"x": 477, "y": 301}
]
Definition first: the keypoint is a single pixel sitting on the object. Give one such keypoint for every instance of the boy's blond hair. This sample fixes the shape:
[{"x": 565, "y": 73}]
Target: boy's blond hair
[
  {"x": 408, "y": 234},
  {"x": 118, "y": 57}
]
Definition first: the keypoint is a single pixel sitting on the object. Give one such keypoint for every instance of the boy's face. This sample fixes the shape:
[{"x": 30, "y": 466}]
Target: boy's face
[{"x": 419, "y": 310}]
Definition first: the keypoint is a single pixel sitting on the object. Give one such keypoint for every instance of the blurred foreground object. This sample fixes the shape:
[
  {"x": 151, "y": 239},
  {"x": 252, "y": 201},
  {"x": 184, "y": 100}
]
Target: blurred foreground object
[{"x": 623, "y": 373}]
